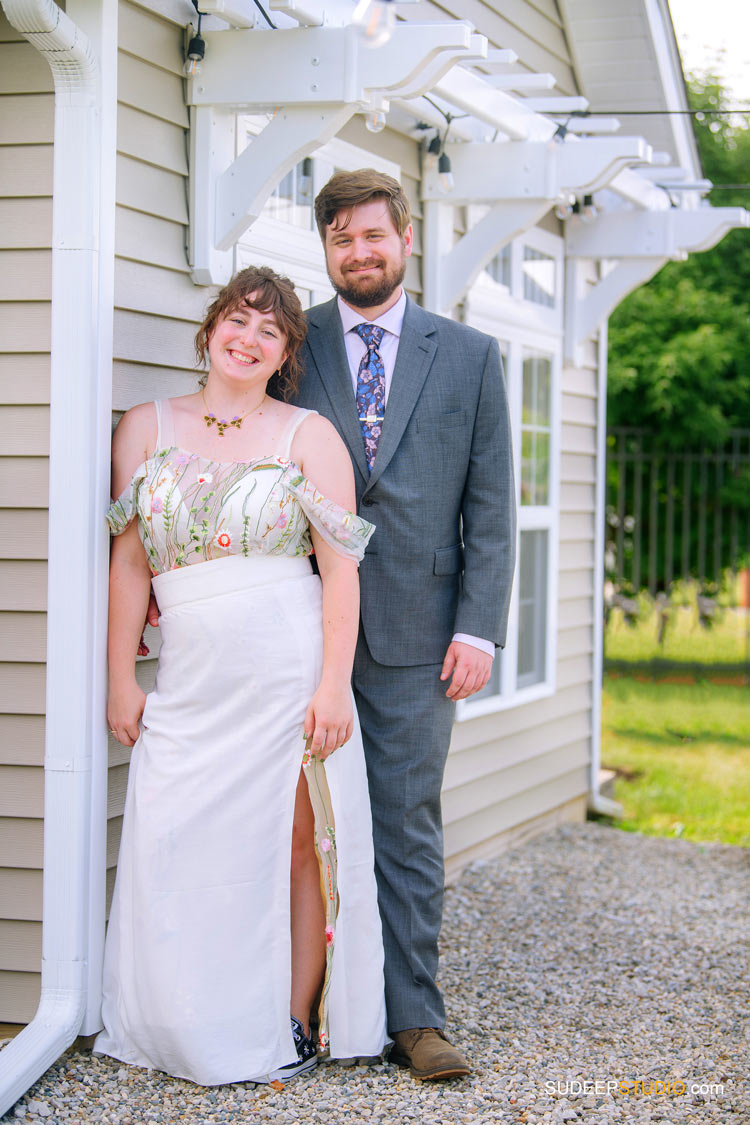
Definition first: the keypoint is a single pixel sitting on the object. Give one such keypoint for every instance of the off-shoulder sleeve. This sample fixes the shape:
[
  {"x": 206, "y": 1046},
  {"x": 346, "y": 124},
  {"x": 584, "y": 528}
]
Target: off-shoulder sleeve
[
  {"x": 342, "y": 530},
  {"x": 122, "y": 510}
]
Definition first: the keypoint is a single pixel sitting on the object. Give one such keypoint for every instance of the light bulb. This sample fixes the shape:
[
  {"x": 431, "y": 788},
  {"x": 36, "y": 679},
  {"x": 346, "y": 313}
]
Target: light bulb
[
  {"x": 194, "y": 57},
  {"x": 446, "y": 175},
  {"x": 588, "y": 209},
  {"x": 564, "y": 208},
  {"x": 375, "y": 121},
  {"x": 374, "y": 20}
]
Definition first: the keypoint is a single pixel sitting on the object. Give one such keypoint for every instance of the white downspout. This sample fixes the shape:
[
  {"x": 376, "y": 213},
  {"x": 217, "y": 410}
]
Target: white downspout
[
  {"x": 597, "y": 801},
  {"x": 83, "y": 65}
]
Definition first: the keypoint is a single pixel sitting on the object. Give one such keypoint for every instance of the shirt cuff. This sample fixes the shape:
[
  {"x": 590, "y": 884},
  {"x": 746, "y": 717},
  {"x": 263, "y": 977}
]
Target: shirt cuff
[{"x": 475, "y": 642}]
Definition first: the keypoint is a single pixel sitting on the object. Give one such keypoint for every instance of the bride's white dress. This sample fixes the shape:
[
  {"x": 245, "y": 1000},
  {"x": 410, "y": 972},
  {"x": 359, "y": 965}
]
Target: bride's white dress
[{"x": 197, "y": 962}]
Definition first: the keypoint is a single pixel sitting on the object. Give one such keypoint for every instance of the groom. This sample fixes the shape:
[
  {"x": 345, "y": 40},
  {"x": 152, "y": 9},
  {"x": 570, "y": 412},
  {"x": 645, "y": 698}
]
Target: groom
[{"x": 420, "y": 402}]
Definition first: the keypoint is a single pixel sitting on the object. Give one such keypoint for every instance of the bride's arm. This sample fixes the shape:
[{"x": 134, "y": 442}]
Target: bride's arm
[
  {"x": 129, "y": 583},
  {"x": 323, "y": 458}
]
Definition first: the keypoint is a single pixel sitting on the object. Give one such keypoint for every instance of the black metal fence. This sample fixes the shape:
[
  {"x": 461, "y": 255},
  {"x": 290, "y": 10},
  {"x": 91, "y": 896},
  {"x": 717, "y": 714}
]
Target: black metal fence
[{"x": 675, "y": 515}]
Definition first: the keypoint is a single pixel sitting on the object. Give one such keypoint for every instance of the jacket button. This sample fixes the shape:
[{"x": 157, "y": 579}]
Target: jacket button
[{"x": 367, "y": 501}]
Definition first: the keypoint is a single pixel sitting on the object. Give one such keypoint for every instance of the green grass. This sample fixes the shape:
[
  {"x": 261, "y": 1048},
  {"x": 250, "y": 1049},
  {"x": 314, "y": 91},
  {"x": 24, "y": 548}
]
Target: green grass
[
  {"x": 683, "y": 756},
  {"x": 685, "y": 640}
]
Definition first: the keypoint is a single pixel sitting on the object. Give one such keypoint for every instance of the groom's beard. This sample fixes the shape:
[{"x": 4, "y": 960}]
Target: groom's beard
[{"x": 375, "y": 289}]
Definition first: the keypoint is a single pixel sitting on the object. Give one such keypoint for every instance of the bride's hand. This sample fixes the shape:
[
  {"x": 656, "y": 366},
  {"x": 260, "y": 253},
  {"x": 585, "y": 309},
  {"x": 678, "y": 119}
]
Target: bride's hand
[
  {"x": 124, "y": 709},
  {"x": 329, "y": 720}
]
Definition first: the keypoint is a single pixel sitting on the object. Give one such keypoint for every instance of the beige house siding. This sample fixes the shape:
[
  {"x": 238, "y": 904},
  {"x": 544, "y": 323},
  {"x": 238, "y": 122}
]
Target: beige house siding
[
  {"x": 26, "y": 129},
  {"x": 533, "y": 28}
]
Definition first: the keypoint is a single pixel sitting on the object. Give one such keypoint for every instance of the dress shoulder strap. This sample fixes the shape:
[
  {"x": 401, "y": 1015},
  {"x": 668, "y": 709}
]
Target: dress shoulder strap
[
  {"x": 287, "y": 437},
  {"x": 157, "y": 408},
  {"x": 164, "y": 423}
]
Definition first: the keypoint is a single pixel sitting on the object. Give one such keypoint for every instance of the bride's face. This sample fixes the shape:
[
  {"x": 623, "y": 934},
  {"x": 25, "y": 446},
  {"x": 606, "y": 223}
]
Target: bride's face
[{"x": 247, "y": 345}]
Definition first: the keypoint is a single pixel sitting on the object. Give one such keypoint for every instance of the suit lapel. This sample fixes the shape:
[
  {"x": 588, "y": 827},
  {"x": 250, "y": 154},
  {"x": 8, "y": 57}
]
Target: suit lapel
[
  {"x": 325, "y": 339},
  {"x": 416, "y": 351}
]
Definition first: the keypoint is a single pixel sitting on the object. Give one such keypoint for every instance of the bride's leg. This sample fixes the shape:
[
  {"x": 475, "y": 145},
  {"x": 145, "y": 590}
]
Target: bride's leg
[{"x": 307, "y": 910}]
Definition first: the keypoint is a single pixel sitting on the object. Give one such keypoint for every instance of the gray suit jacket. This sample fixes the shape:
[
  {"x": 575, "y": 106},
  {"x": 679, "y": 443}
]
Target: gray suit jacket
[{"x": 441, "y": 489}]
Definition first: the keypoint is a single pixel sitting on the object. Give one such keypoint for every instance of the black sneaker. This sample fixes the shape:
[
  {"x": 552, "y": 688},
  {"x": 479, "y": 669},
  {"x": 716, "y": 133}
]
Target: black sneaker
[{"x": 307, "y": 1056}]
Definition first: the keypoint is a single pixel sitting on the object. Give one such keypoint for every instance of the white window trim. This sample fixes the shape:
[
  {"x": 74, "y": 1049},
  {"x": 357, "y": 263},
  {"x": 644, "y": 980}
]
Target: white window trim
[{"x": 524, "y": 326}]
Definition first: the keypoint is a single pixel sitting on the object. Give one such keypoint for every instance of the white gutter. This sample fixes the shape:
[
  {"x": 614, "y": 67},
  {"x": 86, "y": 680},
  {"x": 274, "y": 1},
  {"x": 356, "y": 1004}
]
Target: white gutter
[
  {"x": 597, "y": 801},
  {"x": 82, "y": 58}
]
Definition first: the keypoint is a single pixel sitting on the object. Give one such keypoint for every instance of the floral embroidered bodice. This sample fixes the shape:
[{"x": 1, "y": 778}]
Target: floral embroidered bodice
[{"x": 191, "y": 509}]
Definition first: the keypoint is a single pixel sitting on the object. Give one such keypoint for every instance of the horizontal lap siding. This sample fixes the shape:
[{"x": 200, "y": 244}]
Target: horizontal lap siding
[
  {"x": 26, "y": 133},
  {"x": 533, "y": 29}
]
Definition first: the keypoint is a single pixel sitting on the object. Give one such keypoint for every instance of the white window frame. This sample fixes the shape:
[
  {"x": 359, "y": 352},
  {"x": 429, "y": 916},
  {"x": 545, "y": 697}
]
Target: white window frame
[
  {"x": 524, "y": 326},
  {"x": 290, "y": 249}
]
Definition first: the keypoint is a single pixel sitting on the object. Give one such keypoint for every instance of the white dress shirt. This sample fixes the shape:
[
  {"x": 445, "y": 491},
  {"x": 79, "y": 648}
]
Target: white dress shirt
[{"x": 356, "y": 349}]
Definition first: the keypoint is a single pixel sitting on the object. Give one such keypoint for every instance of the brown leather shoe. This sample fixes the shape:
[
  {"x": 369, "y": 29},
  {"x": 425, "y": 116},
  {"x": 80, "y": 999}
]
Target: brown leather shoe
[{"x": 428, "y": 1054}]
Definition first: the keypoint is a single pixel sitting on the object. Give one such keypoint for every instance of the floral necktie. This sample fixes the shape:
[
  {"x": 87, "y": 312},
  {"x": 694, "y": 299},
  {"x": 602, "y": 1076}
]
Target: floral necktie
[{"x": 371, "y": 389}]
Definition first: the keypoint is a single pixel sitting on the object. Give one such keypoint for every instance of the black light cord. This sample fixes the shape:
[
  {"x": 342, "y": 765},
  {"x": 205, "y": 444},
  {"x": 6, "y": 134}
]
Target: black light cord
[{"x": 265, "y": 15}]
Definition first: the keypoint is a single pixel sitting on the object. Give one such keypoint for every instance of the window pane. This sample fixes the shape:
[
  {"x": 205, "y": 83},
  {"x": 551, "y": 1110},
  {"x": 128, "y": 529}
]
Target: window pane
[
  {"x": 498, "y": 268},
  {"x": 538, "y": 277},
  {"x": 535, "y": 428},
  {"x": 292, "y": 200},
  {"x": 532, "y": 608}
]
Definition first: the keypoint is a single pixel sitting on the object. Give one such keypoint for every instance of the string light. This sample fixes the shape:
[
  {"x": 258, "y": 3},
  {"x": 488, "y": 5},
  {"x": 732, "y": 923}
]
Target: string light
[
  {"x": 375, "y": 121},
  {"x": 447, "y": 182},
  {"x": 374, "y": 20},
  {"x": 194, "y": 56}
]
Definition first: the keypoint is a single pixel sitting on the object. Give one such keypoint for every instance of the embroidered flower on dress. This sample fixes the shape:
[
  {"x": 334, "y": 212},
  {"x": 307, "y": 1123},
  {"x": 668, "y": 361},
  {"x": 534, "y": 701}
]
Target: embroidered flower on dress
[
  {"x": 157, "y": 505},
  {"x": 330, "y": 935},
  {"x": 205, "y": 478},
  {"x": 182, "y": 458},
  {"x": 325, "y": 844},
  {"x": 283, "y": 461},
  {"x": 223, "y": 540},
  {"x": 305, "y": 759},
  {"x": 282, "y": 520}
]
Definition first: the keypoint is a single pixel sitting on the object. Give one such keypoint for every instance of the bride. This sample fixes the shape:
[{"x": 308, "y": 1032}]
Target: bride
[{"x": 244, "y": 939}]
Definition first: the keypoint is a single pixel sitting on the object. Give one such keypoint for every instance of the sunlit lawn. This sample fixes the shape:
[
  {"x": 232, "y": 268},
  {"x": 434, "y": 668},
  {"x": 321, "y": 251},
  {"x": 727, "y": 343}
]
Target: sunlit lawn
[
  {"x": 685, "y": 639},
  {"x": 684, "y": 750}
]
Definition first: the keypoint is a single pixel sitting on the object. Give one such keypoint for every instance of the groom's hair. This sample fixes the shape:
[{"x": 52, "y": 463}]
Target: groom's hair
[{"x": 346, "y": 190}]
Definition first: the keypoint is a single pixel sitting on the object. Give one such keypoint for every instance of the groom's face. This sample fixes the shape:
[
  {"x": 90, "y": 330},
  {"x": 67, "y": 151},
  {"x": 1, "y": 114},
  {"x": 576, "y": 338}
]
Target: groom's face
[{"x": 366, "y": 256}]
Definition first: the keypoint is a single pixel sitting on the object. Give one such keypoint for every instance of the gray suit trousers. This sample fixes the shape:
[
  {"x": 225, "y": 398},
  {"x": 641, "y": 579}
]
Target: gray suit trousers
[{"x": 406, "y": 707}]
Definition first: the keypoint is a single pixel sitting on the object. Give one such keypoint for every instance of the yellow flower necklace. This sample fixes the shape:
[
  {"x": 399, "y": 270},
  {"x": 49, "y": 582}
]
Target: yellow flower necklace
[{"x": 221, "y": 423}]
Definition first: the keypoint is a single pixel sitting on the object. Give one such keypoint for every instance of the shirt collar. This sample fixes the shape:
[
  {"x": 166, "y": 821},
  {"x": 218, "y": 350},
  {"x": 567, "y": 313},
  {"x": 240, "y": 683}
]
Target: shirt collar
[{"x": 391, "y": 320}]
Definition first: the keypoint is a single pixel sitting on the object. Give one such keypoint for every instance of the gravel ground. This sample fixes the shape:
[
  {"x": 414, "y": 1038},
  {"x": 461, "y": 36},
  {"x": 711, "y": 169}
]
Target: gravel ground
[{"x": 591, "y": 976}]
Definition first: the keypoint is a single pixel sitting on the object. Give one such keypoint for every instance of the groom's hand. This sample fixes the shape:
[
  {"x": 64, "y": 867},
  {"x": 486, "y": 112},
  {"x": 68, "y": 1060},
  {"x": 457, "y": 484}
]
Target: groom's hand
[
  {"x": 152, "y": 618},
  {"x": 470, "y": 668}
]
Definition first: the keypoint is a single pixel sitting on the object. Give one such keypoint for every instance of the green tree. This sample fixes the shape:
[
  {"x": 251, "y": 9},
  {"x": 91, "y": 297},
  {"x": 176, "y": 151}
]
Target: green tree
[{"x": 678, "y": 347}]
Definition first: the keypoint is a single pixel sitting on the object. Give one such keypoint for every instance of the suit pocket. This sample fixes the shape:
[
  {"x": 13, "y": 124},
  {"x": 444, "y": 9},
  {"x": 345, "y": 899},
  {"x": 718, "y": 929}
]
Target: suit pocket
[
  {"x": 449, "y": 560},
  {"x": 434, "y": 423}
]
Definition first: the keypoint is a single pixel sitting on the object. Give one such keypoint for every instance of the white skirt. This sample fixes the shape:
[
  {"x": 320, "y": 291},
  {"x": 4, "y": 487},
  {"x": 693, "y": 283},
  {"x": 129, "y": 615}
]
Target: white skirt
[{"x": 197, "y": 971}]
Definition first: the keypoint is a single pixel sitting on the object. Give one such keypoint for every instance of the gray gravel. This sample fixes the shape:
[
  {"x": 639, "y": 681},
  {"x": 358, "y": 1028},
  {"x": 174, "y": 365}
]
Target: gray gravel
[{"x": 585, "y": 957}]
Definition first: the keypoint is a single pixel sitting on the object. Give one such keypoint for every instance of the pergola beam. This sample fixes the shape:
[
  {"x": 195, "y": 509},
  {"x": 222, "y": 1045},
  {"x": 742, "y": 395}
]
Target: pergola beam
[
  {"x": 484, "y": 173},
  {"x": 660, "y": 233}
]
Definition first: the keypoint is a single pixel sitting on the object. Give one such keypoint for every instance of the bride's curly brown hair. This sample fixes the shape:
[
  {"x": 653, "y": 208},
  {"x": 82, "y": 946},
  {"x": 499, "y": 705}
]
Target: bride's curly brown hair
[{"x": 258, "y": 287}]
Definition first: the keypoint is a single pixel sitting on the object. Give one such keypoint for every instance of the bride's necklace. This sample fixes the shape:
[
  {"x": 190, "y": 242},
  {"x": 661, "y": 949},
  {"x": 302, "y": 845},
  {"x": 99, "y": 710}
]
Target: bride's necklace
[{"x": 223, "y": 424}]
